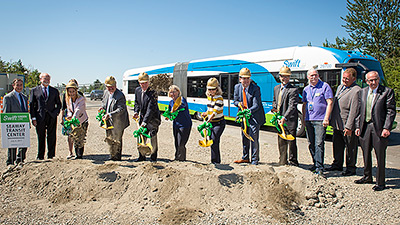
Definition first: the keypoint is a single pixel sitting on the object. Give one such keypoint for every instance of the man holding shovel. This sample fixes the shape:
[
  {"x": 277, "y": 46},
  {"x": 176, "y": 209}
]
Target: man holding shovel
[
  {"x": 247, "y": 96},
  {"x": 285, "y": 101},
  {"x": 114, "y": 104},
  {"x": 146, "y": 109}
]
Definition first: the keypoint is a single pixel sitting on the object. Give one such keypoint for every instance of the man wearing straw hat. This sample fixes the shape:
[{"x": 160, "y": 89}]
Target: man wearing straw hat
[
  {"x": 114, "y": 103},
  {"x": 285, "y": 101},
  {"x": 146, "y": 109},
  {"x": 248, "y": 96}
]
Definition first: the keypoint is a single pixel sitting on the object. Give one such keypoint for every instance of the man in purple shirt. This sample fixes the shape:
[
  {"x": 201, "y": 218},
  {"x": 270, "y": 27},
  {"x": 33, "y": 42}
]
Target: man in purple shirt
[{"x": 317, "y": 108}]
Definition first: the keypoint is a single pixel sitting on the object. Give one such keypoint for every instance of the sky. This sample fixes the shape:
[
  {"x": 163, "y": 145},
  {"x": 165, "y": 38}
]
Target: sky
[{"x": 89, "y": 40}]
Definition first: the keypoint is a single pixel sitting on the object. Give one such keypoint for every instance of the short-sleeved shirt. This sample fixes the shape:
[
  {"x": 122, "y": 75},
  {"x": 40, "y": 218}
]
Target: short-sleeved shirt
[{"x": 315, "y": 98}]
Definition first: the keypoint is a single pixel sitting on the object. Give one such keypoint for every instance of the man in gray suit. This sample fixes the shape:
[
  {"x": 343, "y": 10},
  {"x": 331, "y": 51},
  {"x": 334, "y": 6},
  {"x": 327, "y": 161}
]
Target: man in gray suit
[
  {"x": 285, "y": 101},
  {"x": 114, "y": 103},
  {"x": 373, "y": 125},
  {"x": 16, "y": 102},
  {"x": 344, "y": 112}
]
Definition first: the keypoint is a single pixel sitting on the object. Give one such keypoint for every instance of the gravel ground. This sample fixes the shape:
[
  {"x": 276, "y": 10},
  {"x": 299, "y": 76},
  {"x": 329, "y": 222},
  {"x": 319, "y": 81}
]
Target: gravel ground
[{"x": 97, "y": 191}]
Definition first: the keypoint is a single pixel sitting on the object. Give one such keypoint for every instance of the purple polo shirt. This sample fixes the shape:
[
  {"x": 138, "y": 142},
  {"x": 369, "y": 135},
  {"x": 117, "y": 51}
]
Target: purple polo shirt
[{"x": 316, "y": 95}]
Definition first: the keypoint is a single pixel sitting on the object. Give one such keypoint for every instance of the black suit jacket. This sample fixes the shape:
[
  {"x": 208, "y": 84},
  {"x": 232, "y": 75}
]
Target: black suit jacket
[
  {"x": 383, "y": 109},
  {"x": 39, "y": 106},
  {"x": 148, "y": 109},
  {"x": 289, "y": 102}
]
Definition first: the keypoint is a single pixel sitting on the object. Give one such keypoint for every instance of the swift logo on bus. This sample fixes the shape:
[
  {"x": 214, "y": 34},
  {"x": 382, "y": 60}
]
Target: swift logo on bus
[{"x": 295, "y": 63}]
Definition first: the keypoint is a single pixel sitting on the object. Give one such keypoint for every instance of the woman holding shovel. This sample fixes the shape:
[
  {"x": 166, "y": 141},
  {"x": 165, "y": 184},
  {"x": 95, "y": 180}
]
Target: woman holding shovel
[
  {"x": 178, "y": 112},
  {"x": 215, "y": 116},
  {"x": 76, "y": 118}
]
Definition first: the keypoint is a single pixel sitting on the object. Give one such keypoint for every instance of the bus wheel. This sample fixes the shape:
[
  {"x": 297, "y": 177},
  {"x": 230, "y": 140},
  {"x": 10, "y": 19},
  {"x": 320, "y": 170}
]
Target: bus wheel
[
  {"x": 197, "y": 116},
  {"x": 301, "y": 128}
]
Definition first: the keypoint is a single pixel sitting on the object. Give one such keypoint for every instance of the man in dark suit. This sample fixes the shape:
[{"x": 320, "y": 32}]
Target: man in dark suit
[
  {"x": 344, "y": 113},
  {"x": 114, "y": 103},
  {"x": 16, "y": 102},
  {"x": 45, "y": 106},
  {"x": 248, "y": 95},
  {"x": 285, "y": 101},
  {"x": 373, "y": 125},
  {"x": 146, "y": 108}
]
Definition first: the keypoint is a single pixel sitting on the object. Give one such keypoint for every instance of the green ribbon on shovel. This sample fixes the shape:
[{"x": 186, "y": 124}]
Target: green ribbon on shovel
[
  {"x": 100, "y": 115},
  {"x": 206, "y": 126},
  {"x": 243, "y": 115},
  {"x": 172, "y": 115},
  {"x": 73, "y": 122},
  {"x": 277, "y": 116},
  {"x": 140, "y": 131}
]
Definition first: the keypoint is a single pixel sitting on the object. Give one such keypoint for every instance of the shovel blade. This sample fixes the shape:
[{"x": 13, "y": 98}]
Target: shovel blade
[
  {"x": 205, "y": 143},
  {"x": 286, "y": 137},
  {"x": 144, "y": 149}
]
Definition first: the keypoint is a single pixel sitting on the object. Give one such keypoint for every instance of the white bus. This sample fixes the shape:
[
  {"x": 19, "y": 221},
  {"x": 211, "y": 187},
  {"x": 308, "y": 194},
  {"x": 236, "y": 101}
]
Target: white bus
[{"x": 192, "y": 76}]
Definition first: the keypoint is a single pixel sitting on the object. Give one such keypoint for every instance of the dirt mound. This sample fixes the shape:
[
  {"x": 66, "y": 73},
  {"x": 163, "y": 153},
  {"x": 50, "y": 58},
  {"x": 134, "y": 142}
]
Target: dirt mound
[{"x": 172, "y": 193}]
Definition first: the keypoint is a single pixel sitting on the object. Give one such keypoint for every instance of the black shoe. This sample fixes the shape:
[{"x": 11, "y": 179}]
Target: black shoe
[
  {"x": 39, "y": 158},
  {"x": 313, "y": 168},
  {"x": 115, "y": 159},
  {"x": 378, "y": 187},
  {"x": 153, "y": 160},
  {"x": 140, "y": 159},
  {"x": 334, "y": 168},
  {"x": 364, "y": 180},
  {"x": 348, "y": 173},
  {"x": 293, "y": 164}
]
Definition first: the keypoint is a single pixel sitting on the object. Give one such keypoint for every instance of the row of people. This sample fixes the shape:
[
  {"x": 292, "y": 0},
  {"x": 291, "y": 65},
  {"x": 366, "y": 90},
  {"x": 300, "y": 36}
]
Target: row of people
[
  {"x": 356, "y": 115},
  {"x": 353, "y": 112}
]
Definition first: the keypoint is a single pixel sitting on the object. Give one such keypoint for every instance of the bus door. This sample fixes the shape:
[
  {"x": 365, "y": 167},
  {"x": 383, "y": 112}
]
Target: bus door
[{"x": 228, "y": 82}]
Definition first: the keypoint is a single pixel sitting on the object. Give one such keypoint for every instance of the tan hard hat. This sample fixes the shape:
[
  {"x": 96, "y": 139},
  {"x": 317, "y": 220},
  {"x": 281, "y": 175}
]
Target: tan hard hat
[
  {"x": 244, "y": 72},
  {"x": 212, "y": 83},
  {"x": 72, "y": 84},
  {"x": 110, "y": 81},
  {"x": 143, "y": 77},
  {"x": 285, "y": 71}
]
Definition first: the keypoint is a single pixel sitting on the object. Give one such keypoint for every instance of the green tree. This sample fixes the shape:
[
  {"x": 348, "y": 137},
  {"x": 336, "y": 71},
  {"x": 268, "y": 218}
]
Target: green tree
[
  {"x": 32, "y": 78},
  {"x": 373, "y": 27},
  {"x": 98, "y": 85},
  {"x": 391, "y": 68}
]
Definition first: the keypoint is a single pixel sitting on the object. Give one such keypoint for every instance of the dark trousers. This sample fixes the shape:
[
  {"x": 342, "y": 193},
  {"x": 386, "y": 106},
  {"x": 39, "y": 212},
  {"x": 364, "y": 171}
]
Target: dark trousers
[
  {"x": 254, "y": 131},
  {"x": 368, "y": 140},
  {"x": 47, "y": 126},
  {"x": 340, "y": 143},
  {"x": 114, "y": 137},
  {"x": 284, "y": 145},
  {"x": 216, "y": 132},
  {"x": 12, "y": 155},
  {"x": 181, "y": 136}
]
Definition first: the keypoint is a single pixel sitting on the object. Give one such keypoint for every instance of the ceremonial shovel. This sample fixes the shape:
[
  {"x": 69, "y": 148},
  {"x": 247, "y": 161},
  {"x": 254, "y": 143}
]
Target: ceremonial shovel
[
  {"x": 144, "y": 149},
  {"x": 245, "y": 126},
  {"x": 206, "y": 142}
]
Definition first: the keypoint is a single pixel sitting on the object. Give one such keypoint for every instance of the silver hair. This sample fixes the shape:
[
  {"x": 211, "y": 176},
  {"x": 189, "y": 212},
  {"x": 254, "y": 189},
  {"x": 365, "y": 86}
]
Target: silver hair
[{"x": 312, "y": 70}]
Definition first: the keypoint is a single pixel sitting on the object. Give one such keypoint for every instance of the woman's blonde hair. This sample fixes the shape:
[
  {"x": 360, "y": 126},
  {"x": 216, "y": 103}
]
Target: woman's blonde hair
[{"x": 174, "y": 87}]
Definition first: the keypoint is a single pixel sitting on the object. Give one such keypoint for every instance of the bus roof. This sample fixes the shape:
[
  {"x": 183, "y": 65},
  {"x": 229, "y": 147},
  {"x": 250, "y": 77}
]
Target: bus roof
[{"x": 297, "y": 58}]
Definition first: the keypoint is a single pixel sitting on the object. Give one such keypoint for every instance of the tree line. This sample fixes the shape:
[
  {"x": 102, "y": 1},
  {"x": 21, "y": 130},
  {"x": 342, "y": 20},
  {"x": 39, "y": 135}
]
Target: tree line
[
  {"x": 32, "y": 75},
  {"x": 374, "y": 29}
]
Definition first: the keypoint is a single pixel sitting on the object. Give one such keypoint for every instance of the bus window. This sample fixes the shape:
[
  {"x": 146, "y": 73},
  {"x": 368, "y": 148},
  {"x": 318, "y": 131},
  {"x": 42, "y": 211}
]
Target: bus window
[
  {"x": 132, "y": 85},
  {"x": 372, "y": 66},
  {"x": 225, "y": 84},
  {"x": 332, "y": 77},
  {"x": 197, "y": 86}
]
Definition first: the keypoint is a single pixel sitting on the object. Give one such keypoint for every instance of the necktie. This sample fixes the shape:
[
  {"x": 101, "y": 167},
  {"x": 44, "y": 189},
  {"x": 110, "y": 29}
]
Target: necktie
[
  {"x": 341, "y": 90},
  {"x": 369, "y": 106},
  {"x": 244, "y": 99},
  {"x": 45, "y": 92},
  {"x": 280, "y": 98},
  {"x": 21, "y": 100}
]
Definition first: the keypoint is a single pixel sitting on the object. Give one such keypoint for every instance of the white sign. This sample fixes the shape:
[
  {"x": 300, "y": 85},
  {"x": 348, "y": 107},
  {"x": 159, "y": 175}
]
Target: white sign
[{"x": 15, "y": 130}]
